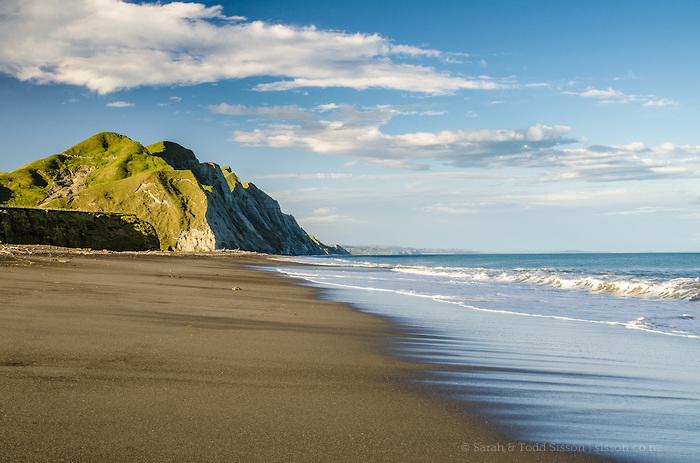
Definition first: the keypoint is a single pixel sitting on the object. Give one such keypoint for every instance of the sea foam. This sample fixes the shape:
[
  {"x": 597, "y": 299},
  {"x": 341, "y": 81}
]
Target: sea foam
[
  {"x": 641, "y": 323},
  {"x": 675, "y": 288}
]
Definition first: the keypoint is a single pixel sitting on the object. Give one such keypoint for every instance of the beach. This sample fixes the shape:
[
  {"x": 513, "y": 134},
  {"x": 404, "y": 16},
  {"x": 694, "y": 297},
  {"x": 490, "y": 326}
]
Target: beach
[{"x": 166, "y": 357}]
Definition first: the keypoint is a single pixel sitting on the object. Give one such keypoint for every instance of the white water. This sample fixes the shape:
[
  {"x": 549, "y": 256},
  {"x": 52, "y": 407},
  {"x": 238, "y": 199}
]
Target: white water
[{"x": 657, "y": 302}]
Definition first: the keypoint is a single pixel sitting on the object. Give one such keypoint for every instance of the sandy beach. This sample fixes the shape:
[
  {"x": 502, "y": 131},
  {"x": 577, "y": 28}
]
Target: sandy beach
[{"x": 152, "y": 357}]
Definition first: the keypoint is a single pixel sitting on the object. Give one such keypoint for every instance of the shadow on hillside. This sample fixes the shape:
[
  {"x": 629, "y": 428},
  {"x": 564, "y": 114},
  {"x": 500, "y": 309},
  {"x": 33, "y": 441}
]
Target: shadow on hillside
[{"x": 5, "y": 194}]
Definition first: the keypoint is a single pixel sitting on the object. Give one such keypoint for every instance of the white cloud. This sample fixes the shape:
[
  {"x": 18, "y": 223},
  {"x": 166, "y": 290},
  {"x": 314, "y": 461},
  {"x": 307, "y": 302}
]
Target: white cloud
[
  {"x": 437, "y": 176},
  {"x": 270, "y": 112},
  {"x": 458, "y": 198},
  {"x": 629, "y": 75},
  {"x": 323, "y": 215},
  {"x": 465, "y": 198},
  {"x": 660, "y": 102},
  {"x": 432, "y": 113},
  {"x": 107, "y": 45},
  {"x": 447, "y": 209},
  {"x": 321, "y": 218},
  {"x": 358, "y": 134},
  {"x": 604, "y": 94},
  {"x": 612, "y": 95},
  {"x": 634, "y": 161},
  {"x": 485, "y": 199},
  {"x": 308, "y": 176},
  {"x": 642, "y": 210},
  {"x": 327, "y": 107},
  {"x": 119, "y": 104}
]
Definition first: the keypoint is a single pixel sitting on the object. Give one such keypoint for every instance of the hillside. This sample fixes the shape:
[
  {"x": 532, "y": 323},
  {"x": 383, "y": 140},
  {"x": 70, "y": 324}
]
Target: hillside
[{"x": 192, "y": 206}]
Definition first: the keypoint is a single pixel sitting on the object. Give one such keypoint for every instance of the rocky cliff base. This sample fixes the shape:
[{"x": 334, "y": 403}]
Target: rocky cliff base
[{"x": 115, "y": 232}]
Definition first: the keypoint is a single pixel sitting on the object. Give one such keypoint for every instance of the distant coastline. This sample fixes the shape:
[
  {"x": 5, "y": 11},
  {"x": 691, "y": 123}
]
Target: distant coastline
[{"x": 389, "y": 250}]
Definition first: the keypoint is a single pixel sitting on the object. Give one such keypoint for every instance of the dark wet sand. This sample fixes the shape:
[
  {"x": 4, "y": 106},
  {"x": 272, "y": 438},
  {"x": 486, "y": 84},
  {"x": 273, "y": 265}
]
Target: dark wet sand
[{"x": 155, "y": 358}]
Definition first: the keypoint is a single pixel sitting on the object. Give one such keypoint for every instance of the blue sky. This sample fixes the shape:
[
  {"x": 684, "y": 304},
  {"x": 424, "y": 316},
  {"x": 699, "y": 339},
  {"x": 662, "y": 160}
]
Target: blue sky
[{"x": 485, "y": 125}]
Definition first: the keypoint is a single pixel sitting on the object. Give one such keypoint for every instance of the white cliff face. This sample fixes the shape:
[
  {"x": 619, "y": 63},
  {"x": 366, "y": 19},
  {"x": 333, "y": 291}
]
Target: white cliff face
[
  {"x": 241, "y": 216},
  {"x": 196, "y": 240}
]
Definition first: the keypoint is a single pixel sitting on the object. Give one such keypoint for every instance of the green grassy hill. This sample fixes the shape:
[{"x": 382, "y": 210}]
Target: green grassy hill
[{"x": 191, "y": 205}]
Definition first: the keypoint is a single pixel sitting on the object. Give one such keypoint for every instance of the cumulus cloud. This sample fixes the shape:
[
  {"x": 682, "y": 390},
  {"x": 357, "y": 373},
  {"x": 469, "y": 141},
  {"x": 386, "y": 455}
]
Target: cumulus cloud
[
  {"x": 119, "y": 104},
  {"x": 359, "y": 134},
  {"x": 612, "y": 95},
  {"x": 106, "y": 45}
]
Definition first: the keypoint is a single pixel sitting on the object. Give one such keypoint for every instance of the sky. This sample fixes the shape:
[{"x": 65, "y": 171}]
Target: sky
[{"x": 478, "y": 125}]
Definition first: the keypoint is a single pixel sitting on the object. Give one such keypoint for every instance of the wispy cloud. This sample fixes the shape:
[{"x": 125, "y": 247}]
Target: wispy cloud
[
  {"x": 657, "y": 102},
  {"x": 633, "y": 161},
  {"x": 629, "y": 75},
  {"x": 294, "y": 112},
  {"x": 461, "y": 199},
  {"x": 643, "y": 210},
  {"x": 309, "y": 176},
  {"x": 106, "y": 45},
  {"x": 323, "y": 215},
  {"x": 269, "y": 112},
  {"x": 612, "y": 95},
  {"x": 450, "y": 209},
  {"x": 455, "y": 199},
  {"x": 119, "y": 104},
  {"x": 431, "y": 176}
]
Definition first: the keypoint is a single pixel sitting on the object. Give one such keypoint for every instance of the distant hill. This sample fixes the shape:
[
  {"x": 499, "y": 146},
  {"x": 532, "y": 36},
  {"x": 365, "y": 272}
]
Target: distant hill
[{"x": 192, "y": 206}]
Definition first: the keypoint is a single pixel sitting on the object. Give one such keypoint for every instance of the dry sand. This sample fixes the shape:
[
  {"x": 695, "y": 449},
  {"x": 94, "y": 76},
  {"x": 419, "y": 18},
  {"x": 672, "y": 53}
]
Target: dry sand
[{"x": 152, "y": 357}]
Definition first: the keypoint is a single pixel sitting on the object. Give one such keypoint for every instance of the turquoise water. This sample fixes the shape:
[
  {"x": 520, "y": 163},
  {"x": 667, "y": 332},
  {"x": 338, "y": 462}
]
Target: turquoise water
[{"x": 599, "y": 351}]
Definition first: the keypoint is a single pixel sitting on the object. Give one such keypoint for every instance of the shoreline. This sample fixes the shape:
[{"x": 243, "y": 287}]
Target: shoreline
[{"x": 153, "y": 356}]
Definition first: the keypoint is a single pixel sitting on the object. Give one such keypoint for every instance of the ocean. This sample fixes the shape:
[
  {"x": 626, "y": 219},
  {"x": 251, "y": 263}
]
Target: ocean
[{"x": 591, "y": 352}]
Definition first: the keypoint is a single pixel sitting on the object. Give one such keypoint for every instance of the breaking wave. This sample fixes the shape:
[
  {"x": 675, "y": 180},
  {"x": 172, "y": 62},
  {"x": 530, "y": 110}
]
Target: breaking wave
[
  {"x": 676, "y": 288},
  {"x": 641, "y": 323},
  {"x": 685, "y": 288}
]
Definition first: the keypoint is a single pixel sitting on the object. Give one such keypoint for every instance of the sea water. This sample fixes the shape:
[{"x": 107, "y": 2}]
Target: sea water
[{"x": 593, "y": 352}]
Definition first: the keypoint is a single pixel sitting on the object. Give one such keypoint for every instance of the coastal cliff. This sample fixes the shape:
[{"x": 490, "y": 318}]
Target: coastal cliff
[
  {"x": 74, "y": 229},
  {"x": 192, "y": 206}
]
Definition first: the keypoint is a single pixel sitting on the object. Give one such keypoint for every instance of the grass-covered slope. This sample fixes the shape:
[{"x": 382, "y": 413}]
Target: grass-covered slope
[{"x": 192, "y": 206}]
